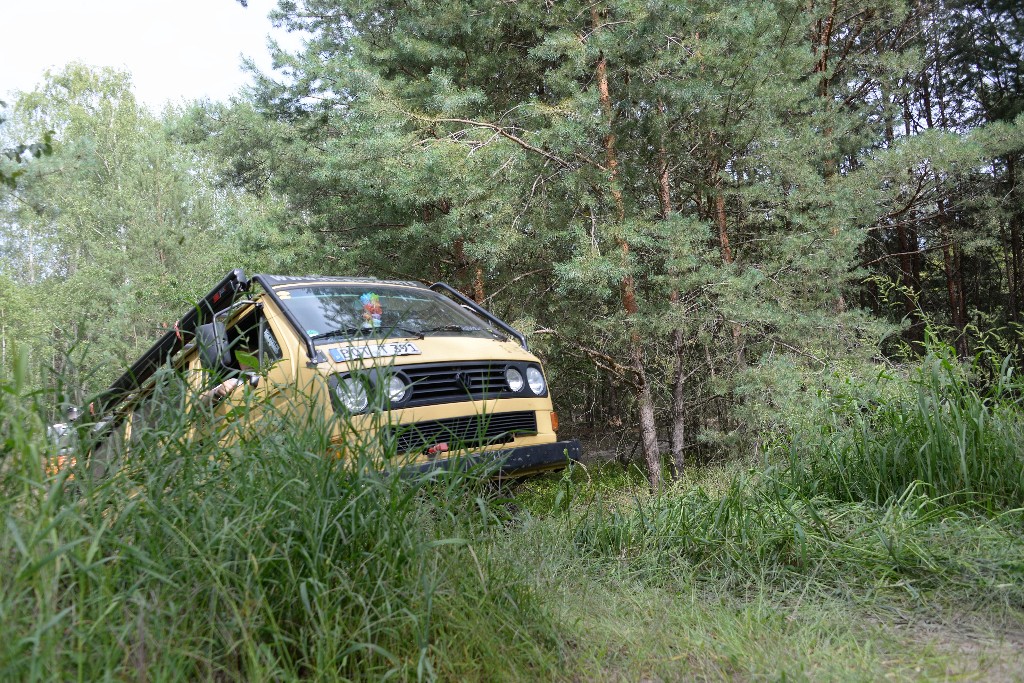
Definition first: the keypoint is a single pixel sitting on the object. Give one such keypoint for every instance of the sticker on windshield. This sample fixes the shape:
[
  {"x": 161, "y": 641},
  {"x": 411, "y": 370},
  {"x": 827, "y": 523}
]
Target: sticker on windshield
[
  {"x": 347, "y": 353},
  {"x": 372, "y": 310}
]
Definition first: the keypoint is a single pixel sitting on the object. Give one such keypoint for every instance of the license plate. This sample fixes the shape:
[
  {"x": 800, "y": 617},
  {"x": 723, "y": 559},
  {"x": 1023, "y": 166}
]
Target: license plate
[{"x": 349, "y": 353}]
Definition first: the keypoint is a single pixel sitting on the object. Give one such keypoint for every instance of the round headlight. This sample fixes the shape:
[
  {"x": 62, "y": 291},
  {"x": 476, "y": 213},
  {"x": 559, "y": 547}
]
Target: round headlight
[
  {"x": 536, "y": 379},
  {"x": 514, "y": 379},
  {"x": 352, "y": 395},
  {"x": 397, "y": 389}
]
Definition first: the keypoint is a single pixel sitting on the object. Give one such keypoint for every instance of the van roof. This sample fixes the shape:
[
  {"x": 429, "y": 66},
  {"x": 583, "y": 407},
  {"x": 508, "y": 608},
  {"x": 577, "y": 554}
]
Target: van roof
[{"x": 285, "y": 280}]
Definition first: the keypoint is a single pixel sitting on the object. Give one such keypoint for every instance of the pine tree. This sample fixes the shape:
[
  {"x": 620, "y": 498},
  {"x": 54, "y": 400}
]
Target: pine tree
[{"x": 680, "y": 194}]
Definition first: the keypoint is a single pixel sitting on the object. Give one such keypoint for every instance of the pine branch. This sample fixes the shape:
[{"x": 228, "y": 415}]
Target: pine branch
[
  {"x": 907, "y": 253},
  {"x": 512, "y": 282},
  {"x": 601, "y": 360},
  {"x": 500, "y": 130}
]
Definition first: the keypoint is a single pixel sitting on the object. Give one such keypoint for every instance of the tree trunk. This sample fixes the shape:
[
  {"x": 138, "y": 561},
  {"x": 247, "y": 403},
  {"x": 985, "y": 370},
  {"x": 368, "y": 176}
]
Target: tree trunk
[
  {"x": 1015, "y": 257},
  {"x": 720, "y": 421},
  {"x": 821, "y": 44},
  {"x": 910, "y": 286},
  {"x": 464, "y": 266},
  {"x": 954, "y": 282},
  {"x": 478, "y": 286},
  {"x": 648, "y": 426},
  {"x": 664, "y": 182},
  {"x": 677, "y": 435},
  {"x": 645, "y": 401},
  {"x": 1011, "y": 275},
  {"x": 727, "y": 258},
  {"x": 909, "y": 283}
]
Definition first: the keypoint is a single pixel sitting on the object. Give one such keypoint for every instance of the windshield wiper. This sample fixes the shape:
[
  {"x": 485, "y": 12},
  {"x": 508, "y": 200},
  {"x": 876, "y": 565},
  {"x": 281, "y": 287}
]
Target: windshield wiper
[
  {"x": 451, "y": 328},
  {"x": 354, "y": 331},
  {"x": 460, "y": 328},
  {"x": 340, "y": 332},
  {"x": 418, "y": 334}
]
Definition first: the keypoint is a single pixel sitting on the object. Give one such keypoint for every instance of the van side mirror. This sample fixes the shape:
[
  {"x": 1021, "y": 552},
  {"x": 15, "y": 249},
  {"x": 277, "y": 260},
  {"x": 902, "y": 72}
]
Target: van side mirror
[{"x": 214, "y": 353}]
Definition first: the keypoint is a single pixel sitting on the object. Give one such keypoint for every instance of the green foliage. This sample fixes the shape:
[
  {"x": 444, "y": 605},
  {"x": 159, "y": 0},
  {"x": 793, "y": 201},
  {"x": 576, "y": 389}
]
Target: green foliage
[
  {"x": 265, "y": 560},
  {"x": 750, "y": 170},
  {"x": 780, "y": 184},
  {"x": 260, "y": 561},
  {"x": 116, "y": 232},
  {"x": 944, "y": 432},
  {"x": 757, "y": 527},
  {"x": 19, "y": 156},
  {"x": 906, "y": 481},
  {"x": 470, "y": 143},
  {"x": 14, "y": 159}
]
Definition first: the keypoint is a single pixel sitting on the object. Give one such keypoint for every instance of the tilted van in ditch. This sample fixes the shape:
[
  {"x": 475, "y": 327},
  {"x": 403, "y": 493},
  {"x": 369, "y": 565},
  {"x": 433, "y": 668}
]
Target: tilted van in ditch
[{"x": 425, "y": 373}]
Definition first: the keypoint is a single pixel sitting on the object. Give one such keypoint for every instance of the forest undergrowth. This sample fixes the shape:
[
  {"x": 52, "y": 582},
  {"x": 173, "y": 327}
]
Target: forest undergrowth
[{"x": 883, "y": 538}]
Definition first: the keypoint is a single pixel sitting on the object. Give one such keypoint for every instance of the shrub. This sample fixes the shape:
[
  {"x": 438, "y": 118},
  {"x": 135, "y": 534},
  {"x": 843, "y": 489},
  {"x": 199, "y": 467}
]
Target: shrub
[{"x": 958, "y": 438}]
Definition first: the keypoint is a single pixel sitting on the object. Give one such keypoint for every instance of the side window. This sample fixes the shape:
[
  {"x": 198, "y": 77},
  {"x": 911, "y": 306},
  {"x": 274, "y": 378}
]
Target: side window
[
  {"x": 158, "y": 412},
  {"x": 253, "y": 343},
  {"x": 271, "y": 350}
]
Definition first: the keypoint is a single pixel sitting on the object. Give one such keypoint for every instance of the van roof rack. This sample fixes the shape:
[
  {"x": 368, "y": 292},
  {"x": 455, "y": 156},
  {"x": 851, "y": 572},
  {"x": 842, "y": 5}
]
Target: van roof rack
[{"x": 219, "y": 298}]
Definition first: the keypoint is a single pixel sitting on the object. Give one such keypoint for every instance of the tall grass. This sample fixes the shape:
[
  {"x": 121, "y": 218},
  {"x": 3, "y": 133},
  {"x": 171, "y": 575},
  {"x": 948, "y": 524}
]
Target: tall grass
[
  {"x": 962, "y": 442},
  {"x": 189, "y": 557},
  {"x": 921, "y": 492},
  {"x": 759, "y": 530},
  {"x": 262, "y": 560}
]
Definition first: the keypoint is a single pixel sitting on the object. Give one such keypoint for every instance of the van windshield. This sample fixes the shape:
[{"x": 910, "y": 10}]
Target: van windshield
[{"x": 331, "y": 313}]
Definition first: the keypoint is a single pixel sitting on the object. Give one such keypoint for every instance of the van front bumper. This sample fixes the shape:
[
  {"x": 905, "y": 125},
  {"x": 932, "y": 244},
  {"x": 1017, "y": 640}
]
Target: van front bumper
[{"x": 510, "y": 461}]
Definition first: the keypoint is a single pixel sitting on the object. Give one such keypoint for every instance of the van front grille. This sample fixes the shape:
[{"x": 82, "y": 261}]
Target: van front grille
[
  {"x": 449, "y": 383},
  {"x": 461, "y": 432}
]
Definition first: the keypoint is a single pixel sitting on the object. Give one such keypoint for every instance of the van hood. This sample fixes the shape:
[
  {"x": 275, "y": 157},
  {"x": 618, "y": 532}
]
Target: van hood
[{"x": 399, "y": 351}]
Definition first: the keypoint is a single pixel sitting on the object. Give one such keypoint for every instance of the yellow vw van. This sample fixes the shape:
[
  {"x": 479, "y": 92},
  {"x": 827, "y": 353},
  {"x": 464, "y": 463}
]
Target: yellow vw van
[{"x": 423, "y": 371}]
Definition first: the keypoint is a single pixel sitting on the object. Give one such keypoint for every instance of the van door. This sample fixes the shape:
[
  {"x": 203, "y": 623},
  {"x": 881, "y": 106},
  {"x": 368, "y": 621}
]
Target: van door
[{"x": 254, "y": 373}]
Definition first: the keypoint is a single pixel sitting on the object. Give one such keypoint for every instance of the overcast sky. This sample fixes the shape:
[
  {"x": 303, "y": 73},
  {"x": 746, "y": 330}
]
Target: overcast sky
[{"x": 175, "y": 49}]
